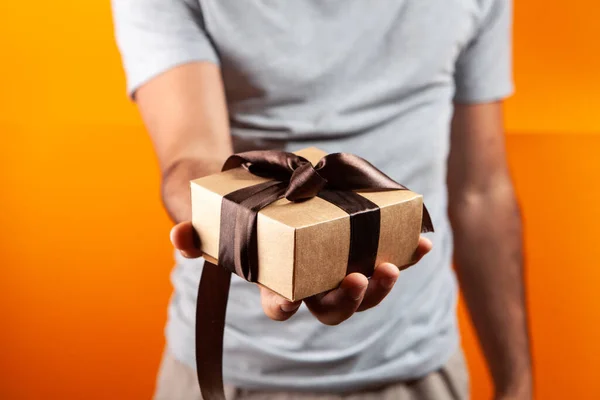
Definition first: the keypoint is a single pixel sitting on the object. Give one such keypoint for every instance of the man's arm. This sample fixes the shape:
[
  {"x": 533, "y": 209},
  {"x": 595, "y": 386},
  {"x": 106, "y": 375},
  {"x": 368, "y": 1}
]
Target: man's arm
[
  {"x": 488, "y": 244},
  {"x": 185, "y": 113}
]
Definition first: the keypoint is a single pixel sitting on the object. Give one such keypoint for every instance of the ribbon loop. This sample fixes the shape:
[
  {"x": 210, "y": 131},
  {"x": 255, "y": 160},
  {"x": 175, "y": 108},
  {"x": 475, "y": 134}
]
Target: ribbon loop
[
  {"x": 305, "y": 183},
  {"x": 346, "y": 171},
  {"x": 273, "y": 164}
]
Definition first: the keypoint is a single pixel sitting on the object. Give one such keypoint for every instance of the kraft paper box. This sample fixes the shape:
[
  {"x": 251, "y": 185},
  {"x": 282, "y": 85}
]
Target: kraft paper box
[{"x": 303, "y": 247}]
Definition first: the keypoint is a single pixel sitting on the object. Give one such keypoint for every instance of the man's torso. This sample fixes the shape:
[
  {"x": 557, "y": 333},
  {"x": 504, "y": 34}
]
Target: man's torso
[{"x": 371, "y": 78}]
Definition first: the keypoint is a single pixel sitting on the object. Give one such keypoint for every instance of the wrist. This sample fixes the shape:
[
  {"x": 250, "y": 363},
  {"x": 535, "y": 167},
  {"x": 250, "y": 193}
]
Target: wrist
[{"x": 175, "y": 185}]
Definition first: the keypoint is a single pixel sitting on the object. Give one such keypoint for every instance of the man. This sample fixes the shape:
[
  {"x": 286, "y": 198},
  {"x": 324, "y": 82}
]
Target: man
[{"x": 413, "y": 86}]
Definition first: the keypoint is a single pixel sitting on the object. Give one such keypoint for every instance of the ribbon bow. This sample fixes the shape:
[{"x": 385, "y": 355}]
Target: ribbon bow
[{"x": 335, "y": 178}]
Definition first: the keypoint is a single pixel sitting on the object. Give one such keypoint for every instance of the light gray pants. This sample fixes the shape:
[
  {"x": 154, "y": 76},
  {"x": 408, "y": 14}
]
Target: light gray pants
[{"x": 177, "y": 381}]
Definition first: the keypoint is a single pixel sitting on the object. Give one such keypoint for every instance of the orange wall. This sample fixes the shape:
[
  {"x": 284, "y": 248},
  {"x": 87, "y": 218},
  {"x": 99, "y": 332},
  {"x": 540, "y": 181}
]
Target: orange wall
[
  {"x": 59, "y": 64},
  {"x": 84, "y": 259}
]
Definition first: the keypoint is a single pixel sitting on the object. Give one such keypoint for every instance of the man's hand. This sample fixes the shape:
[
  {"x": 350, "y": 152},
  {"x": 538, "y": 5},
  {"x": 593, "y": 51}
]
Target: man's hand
[{"x": 356, "y": 293}]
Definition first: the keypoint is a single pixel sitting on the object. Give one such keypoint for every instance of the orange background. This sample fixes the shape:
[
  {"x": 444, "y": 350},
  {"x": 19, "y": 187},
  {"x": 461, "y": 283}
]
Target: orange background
[{"x": 84, "y": 255}]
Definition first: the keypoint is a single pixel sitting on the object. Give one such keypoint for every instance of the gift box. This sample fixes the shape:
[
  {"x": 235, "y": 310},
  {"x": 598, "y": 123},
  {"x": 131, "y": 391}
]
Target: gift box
[
  {"x": 306, "y": 246},
  {"x": 296, "y": 224}
]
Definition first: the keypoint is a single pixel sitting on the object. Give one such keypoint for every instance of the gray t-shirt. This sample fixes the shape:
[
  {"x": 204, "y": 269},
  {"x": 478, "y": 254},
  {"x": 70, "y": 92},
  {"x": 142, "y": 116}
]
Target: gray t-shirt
[{"x": 374, "y": 78}]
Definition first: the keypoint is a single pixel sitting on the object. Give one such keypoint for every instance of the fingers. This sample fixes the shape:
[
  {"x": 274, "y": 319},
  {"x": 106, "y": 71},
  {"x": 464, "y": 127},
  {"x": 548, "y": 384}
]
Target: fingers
[
  {"x": 356, "y": 293},
  {"x": 423, "y": 248},
  {"x": 381, "y": 283},
  {"x": 185, "y": 239},
  {"x": 339, "y": 304},
  {"x": 276, "y": 307}
]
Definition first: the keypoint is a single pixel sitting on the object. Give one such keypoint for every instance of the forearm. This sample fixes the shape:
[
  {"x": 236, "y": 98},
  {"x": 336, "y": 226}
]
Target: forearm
[
  {"x": 489, "y": 265},
  {"x": 184, "y": 110}
]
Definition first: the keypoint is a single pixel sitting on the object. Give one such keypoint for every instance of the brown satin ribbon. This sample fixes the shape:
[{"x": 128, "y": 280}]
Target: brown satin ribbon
[{"x": 334, "y": 179}]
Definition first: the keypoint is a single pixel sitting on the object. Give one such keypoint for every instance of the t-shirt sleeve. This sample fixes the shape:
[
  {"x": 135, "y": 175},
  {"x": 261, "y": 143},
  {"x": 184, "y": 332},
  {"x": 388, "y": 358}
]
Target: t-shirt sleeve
[
  {"x": 484, "y": 67},
  {"x": 154, "y": 36}
]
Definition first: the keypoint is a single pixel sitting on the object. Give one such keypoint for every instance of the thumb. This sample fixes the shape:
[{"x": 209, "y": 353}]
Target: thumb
[
  {"x": 277, "y": 307},
  {"x": 185, "y": 239}
]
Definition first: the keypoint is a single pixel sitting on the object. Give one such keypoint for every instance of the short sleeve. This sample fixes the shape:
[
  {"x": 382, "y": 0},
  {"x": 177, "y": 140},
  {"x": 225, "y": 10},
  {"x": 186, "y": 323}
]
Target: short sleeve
[
  {"x": 154, "y": 36},
  {"x": 484, "y": 67}
]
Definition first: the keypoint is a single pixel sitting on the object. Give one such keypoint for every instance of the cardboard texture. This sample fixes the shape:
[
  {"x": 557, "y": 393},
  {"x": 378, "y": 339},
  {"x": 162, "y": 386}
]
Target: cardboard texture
[{"x": 303, "y": 247}]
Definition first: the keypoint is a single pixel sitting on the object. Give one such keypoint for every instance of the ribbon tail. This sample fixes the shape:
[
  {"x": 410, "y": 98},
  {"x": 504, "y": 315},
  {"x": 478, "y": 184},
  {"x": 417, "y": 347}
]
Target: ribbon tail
[
  {"x": 213, "y": 290},
  {"x": 211, "y": 308}
]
